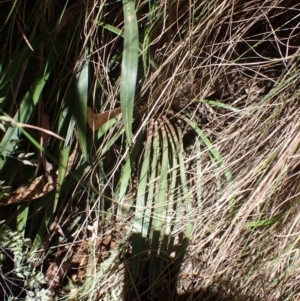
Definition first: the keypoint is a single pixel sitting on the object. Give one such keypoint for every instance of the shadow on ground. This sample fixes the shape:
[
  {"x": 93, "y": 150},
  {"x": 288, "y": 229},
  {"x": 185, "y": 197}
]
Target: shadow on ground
[
  {"x": 172, "y": 284},
  {"x": 167, "y": 290}
]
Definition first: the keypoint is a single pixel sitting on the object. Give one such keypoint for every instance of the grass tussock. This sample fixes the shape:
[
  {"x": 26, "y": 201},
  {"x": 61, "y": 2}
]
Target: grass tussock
[{"x": 192, "y": 192}]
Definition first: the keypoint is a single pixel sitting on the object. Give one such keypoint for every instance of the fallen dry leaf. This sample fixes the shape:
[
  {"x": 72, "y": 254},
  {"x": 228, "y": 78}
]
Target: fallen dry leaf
[
  {"x": 95, "y": 121},
  {"x": 55, "y": 274},
  {"x": 37, "y": 188},
  {"x": 34, "y": 190}
]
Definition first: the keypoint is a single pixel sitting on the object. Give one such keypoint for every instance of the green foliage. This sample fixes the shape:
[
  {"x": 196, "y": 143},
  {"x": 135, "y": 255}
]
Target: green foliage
[
  {"x": 129, "y": 65},
  {"x": 23, "y": 273},
  {"x": 200, "y": 163}
]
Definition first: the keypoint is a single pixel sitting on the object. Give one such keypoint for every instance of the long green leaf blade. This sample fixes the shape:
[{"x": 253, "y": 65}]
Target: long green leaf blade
[
  {"x": 129, "y": 65},
  {"x": 138, "y": 224},
  {"x": 81, "y": 99},
  {"x": 159, "y": 207},
  {"x": 63, "y": 162},
  {"x": 28, "y": 104}
]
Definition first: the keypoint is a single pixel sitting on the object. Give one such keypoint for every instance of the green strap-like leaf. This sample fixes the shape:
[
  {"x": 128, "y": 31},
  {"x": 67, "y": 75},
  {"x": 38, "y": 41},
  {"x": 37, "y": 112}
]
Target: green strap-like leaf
[
  {"x": 63, "y": 162},
  {"x": 138, "y": 224},
  {"x": 11, "y": 73},
  {"x": 185, "y": 190},
  {"x": 151, "y": 184},
  {"x": 28, "y": 104},
  {"x": 129, "y": 65},
  {"x": 81, "y": 104},
  {"x": 220, "y": 105},
  {"x": 125, "y": 178},
  {"x": 215, "y": 156},
  {"x": 159, "y": 206}
]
